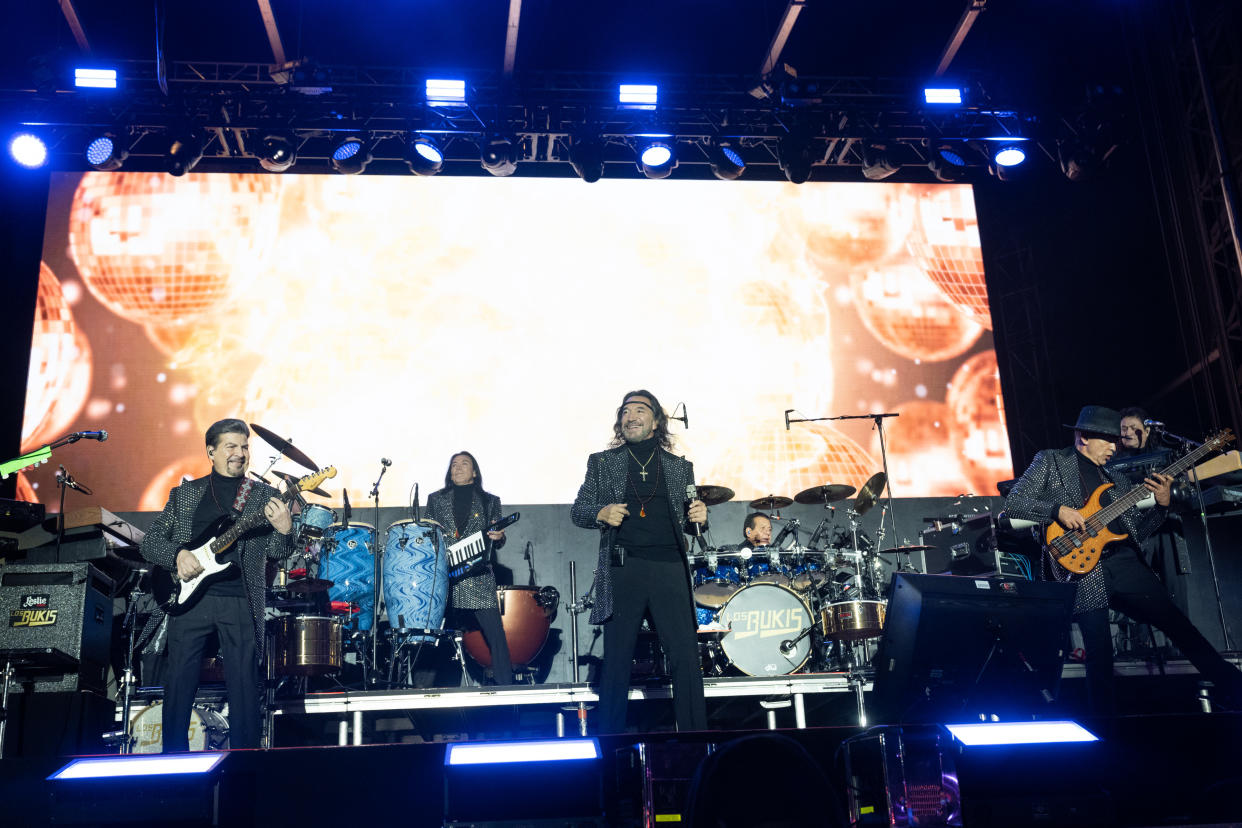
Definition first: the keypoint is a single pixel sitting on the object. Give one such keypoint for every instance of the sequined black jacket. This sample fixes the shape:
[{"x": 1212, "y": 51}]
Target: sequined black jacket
[{"x": 478, "y": 589}]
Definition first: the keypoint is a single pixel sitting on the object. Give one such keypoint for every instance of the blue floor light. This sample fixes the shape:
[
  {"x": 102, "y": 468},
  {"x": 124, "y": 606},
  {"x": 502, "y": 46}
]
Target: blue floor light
[
  {"x": 552, "y": 779},
  {"x": 112, "y": 767},
  {"x": 1020, "y": 733}
]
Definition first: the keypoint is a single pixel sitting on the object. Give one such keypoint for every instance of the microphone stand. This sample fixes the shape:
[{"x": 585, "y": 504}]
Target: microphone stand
[
  {"x": 375, "y": 578},
  {"x": 879, "y": 424},
  {"x": 64, "y": 481},
  {"x": 1187, "y": 445}
]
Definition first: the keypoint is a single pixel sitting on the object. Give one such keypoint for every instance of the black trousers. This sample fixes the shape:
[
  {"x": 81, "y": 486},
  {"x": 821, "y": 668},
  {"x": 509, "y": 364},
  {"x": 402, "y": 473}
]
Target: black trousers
[
  {"x": 230, "y": 618},
  {"x": 493, "y": 631},
  {"x": 1135, "y": 590},
  {"x": 661, "y": 588}
]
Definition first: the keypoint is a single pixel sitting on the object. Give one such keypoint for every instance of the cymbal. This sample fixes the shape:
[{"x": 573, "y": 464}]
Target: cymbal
[
  {"x": 291, "y": 479},
  {"x": 870, "y": 493},
  {"x": 305, "y": 586},
  {"x": 715, "y": 495},
  {"x": 827, "y": 493},
  {"x": 771, "y": 502},
  {"x": 284, "y": 447}
]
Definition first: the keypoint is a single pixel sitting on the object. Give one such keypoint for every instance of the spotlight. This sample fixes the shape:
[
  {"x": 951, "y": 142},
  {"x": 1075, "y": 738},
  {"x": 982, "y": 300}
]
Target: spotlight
[
  {"x": 942, "y": 95},
  {"x": 638, "y": 95},
  {"x": 944, "y": 171},
  {"x": 656, "y": 158},
  {"x": 951, "y": 154},
  {"x": 445, "y": 92},
  {"x": 28, "y": 149},
  {"x": 1009, "y": 155},
  {"x": 277, "y": 152},
  {"x": 94, "y": 78},
  {"x": 586, "y": 156},
  {"x": 793, "y": 154},
  {"x": 726, "y": 162},
  {"x": 878, "y": 163},
  {"x": 185, "y": 150},
  {"x": 104, "y": 152},
  {"x": 499, "y": 155},
  {"x": 350, "y": 155},
  {"x": 1077, "y": 162},
  {"x": 424, "y": 156}
]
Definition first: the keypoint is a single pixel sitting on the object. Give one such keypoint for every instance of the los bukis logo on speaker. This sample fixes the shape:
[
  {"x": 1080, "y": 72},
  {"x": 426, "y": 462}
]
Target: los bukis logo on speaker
[{"x": 33, "y": 611}]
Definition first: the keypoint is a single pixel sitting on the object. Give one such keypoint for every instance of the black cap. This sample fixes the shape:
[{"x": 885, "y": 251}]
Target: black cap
[{"x": 1096, "y": 419}]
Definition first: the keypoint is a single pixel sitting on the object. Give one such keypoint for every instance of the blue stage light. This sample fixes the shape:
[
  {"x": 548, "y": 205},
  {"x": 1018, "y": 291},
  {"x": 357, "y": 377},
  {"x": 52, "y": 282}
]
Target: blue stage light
[
  {"x": 1009, "y": 155},
  {"x": 506, "y": 753},
  {"x": 726, "y": 162},
  {"x": 424, "y": 156},
  {"x": 346, "y": 150},
  {"x": 942, "y": 95},
  {"x": 952, "y": 156},
  {"x": 638, "y": 95},
  {"x": 656, "y": 155},
  {"x": 441, "y": 91},
  {"x": 94, "y": 78},
  {"x": 100, "y": 151},
  {"x": 28, "y": 149},
  {"x": 1020, "y": 733},
  {"x": 350, "y": 155},
  {"x": 656, "y": 158},
  {"x": 111, "y": 767}
]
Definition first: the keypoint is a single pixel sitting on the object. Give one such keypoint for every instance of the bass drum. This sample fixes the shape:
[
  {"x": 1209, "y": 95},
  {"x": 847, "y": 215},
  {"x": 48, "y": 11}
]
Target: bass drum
[
  {"x": 759, "y": 618},
  {"x": 208, "y": 729},
  {"x": 526, "y": 613}
]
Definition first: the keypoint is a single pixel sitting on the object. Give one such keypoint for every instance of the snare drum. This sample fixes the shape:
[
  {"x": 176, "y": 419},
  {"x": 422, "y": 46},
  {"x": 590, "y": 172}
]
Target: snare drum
[
  {"x": 347, "y": 560},
  {"x": 415, "y": 577},
  {"x": 713, "y": 587},
  {"x": 853, "y": 620},
  {"x": 306, "y": 645},
  {"x": 313, "y": 521},
  {"x": 760, "y": 617},
  {"x": 208, "y": 729}
]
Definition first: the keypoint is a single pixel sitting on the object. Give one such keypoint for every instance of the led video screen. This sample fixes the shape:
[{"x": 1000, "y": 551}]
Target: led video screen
[{"x": 374, "y": 317}]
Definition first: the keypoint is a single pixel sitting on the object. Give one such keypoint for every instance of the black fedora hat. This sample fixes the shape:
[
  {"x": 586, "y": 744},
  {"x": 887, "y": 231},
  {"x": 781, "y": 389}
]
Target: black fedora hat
[{"x": 1096, "y": 419}]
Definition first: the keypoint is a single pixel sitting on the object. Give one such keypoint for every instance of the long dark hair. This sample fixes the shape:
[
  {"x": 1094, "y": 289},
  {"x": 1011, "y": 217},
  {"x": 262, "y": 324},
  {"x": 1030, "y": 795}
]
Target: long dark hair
[
  {"x": 663, "y": 439},
  {"x": 478, "y": 475}
]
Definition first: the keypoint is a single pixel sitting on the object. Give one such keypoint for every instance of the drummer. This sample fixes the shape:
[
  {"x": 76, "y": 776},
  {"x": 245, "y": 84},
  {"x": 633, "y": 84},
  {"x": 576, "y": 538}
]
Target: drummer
[
  {"x": 462, "y": 507},
  {"x": 757, "y": 530}
]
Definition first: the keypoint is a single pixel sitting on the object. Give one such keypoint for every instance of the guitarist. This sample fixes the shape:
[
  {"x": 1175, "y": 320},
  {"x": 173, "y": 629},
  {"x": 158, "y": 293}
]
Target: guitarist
[
  {"x": 1055, "y": 487},
  {"x": 232, "y": 602}
]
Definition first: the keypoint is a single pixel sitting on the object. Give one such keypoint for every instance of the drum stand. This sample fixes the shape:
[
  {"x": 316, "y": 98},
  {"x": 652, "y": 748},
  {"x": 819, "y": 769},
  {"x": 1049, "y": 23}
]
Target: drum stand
[
  {"x": 576, "y": 608},
  {"x": 123, "y": 738}
]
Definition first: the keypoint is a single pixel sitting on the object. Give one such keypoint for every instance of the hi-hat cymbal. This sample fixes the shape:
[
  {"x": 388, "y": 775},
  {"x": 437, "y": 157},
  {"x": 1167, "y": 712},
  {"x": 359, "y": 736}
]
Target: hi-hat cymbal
[
  {"x": 827, "y": 493},
  {"x": 284, "y": 447},
  {"x": 771, "y": 502},
  {"x": 305, "y": 586},
  {"x": 870, "y": 493},
  {"x": 292, "y": 479},
  {"x": 715, "y": 495}
]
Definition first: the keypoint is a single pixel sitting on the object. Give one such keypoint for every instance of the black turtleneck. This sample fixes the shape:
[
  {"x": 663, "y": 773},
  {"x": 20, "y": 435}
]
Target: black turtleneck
[
  {"x": 216, "y": 503},
  {"x": 463, "y": 499},
  {"x": 649, "y": 531}
]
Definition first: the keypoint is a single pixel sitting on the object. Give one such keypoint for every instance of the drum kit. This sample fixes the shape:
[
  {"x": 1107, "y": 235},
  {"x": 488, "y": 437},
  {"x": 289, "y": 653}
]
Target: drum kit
[{"x": 777, "y": 609}]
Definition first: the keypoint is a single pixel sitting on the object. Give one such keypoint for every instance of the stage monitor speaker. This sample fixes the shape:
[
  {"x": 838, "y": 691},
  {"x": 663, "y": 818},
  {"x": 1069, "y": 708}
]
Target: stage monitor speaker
[
  {"x": 59, "y": 608},
  {"x": 957, "y": 648}
]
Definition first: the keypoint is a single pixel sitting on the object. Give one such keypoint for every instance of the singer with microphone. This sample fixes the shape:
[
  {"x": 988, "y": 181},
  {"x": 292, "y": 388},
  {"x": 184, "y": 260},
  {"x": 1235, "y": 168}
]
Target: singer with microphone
[
  {"x": 462, "y": 507},
  {"x": 640, "y": 497}
]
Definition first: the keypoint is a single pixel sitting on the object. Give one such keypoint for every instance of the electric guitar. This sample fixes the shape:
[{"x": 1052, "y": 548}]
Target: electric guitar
[
  {"x": 222, "y": 534},
  {"x": 27, "y": 461},
  {"x": 1079, "y": 550}
]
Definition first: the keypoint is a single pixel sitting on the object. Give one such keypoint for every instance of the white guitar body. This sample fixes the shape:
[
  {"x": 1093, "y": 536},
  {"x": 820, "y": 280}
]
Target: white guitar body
[{"x": 211, "y": 566}]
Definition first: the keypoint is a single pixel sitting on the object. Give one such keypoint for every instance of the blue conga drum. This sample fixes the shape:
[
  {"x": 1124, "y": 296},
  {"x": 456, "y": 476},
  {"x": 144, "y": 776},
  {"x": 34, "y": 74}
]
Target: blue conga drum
[
  {"x": 415, "y": 577},
  {"x": 348, "y": 561}
]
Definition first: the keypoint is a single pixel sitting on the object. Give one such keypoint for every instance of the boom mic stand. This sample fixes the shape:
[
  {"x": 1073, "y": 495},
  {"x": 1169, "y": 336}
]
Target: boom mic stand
[{"x": 376, "y": 574}]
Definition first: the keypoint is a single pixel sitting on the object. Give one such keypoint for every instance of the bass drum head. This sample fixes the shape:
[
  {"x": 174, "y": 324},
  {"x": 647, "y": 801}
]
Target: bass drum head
[
  {"x": 759, "y": 618},
  {"x": 208, "y": 729}
]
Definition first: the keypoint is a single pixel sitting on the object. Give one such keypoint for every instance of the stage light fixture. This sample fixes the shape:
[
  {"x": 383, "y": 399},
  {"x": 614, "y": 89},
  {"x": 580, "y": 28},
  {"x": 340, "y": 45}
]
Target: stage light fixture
[
  {"x": 657, "y": 158},
  {"x": 638, "y": 95},
  {"x": 586, "y": 156},
  {"x": 944, "y": 171},
  {"x": 793, "y": 154},
  {"x": 445, "y": 92},
  {"x": 1009, "y": 155},
  {"x": 952, "y": 154},
  {"x": 424, "y": 156},
  {"x": 105, "y": 152},
  {"x": 350, "y": 155},
  {"x": 726, "y": 162},
  {"x": 499, "y": 155},
  {"x": 1020, "y": 733},
  {"x": 28, "y": 149},
  {"x": 85, "y": 78},
  {"x": 942, "y": 95},
  {"x": 878, "y": 163},
  {"x": 277, "y": 152},
  {"x": 185, "y": 150},
  {"x": 113, "y": 767}
]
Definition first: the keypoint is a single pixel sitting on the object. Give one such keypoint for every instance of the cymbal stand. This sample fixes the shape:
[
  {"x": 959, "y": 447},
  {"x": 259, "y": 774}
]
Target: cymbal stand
[
  {"x": 130, "y": 624},
  {"x": 576, "y": 607},
  {"x": 376, "y": 575}
]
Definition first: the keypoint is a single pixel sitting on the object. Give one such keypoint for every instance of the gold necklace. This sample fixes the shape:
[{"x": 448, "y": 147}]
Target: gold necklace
[{"x": 642, "y": 467}]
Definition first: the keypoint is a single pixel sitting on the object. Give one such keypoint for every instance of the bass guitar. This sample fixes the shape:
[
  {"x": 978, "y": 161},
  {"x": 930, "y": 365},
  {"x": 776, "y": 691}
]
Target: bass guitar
[
  {"x": 1079, "y": 550},
  {"x": 221, "y": 535}
]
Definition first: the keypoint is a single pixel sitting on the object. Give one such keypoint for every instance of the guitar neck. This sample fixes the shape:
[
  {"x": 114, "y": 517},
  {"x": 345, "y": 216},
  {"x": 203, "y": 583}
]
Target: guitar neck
[
  {"x": 1114, "y": 510},
  {"x": 242, "y": 525}
]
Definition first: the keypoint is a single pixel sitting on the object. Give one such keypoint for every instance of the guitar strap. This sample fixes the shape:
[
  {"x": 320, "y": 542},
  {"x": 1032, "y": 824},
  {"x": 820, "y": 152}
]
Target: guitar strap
[{"x": 243, "y": 493}]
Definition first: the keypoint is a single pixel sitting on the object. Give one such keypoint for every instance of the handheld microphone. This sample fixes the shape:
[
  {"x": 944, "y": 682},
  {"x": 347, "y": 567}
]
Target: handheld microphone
[
  {"x": 1148, "y": 423},
  {"x": 385, "y": 461},
  {"x": 787, "y": 646},
  {"x": 92, "y": 435},
  {"x": 788, "y": 411}
]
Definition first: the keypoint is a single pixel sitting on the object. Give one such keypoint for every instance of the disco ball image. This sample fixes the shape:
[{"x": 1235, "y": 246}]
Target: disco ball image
[
  {"x": 855, "y": 227},
  {"x": 773, "y": 461},
  {"x": 59, "y": 379},
  {"x": 905, "y": 310},
  {"x": 155, "y": 495},
  {"x": 977, "y": 423},
  {"x": 945, "y": 243},
  {"x": 159, "y": 250},
  {"x": 921, "y": 458}
]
